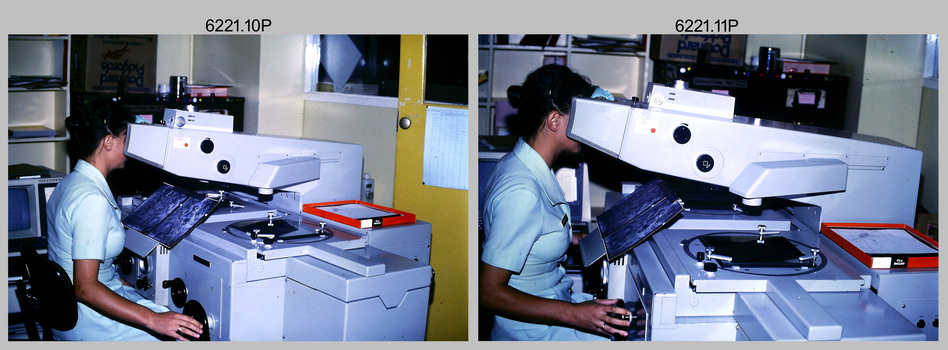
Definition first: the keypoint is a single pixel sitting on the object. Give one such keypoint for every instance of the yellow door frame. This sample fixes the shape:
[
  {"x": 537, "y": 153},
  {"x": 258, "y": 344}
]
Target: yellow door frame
[{"x": 446, "y": 209}]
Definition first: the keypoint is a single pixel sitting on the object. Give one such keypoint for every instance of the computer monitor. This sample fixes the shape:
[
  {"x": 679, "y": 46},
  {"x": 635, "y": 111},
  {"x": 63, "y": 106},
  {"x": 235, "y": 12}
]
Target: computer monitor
[
  {"x": 574, "y": 181},
  {"x": 28, "y": 192},
  {"x": 486, "y": 161}
]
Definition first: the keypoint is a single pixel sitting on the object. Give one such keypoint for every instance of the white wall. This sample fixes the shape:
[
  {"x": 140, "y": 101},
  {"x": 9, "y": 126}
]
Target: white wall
[
  {"x": 885, "y": 85},
  {"x": 281, "y": 85},
  {"x": 892, "y": 87},
  {"x": 372, "y": 127},
  {"x": 174, "y": 58},
  {"x": 231, "y": 60}
]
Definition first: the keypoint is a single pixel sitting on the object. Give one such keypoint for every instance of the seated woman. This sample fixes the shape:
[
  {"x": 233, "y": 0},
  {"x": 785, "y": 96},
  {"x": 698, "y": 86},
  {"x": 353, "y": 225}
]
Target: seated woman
[
  {"x": 527, "y": 224},
  {"x": 86, "y": 234}
]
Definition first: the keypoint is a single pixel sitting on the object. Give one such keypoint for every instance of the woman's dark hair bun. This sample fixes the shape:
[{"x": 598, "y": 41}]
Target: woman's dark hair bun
[
  {"x": 514, "y": 95},
  {"x": 548, "y": 88},
  {"x": 92, "y": 121},
  {"x": 72, "y": 123}
]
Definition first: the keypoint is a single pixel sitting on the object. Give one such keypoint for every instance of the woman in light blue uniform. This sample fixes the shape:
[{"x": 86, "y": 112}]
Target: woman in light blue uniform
[
  {"x": 527, "y": 223},
  {"x": 86, "y": 234}
]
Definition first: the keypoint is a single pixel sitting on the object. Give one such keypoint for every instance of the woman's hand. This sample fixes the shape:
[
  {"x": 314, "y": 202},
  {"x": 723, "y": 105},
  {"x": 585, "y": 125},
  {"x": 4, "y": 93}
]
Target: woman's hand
[
  {"x": 175, "y": 325},
  {"x": 97, "y": 296},
  {"x": 577, "y": 237},
  {"x": 592, "y": 316}
]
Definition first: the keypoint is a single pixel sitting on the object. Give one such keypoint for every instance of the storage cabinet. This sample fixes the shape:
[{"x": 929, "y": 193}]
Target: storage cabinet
[{"x": 38, "y": 100}]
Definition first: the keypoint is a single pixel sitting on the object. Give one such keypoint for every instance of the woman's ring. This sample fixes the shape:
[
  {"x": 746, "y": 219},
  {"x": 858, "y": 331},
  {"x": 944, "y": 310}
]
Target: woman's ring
[{"x": 179, "y": 329}]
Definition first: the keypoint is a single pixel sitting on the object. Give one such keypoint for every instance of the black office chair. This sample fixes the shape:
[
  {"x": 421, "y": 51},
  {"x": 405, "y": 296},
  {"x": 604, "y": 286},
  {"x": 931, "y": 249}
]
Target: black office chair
[{"x": 49, "y": 300}]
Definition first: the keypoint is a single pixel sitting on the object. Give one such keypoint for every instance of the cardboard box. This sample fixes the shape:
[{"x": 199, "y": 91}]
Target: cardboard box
[
  {"x": 724, "y": 50},
  {"x": 207, "y": 91},
  {"x": 101, "y": 61},
  {"x": 801, "y": 66}
]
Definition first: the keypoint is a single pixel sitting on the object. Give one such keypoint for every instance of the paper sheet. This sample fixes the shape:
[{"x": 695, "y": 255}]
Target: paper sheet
[
  {"x": 446, "y": 148},
  {"x": 567, "y": 179},
  {"x": 356, "y": 211},
  {"x": 884, "y": 241}
]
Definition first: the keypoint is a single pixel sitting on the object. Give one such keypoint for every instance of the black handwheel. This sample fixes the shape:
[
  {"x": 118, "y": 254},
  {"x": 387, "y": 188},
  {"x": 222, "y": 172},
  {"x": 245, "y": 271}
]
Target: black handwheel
[
  {"x": 179, "y": 291},
  {"x": 194, "y": 309},
  {"x": 125, "y": 262}
]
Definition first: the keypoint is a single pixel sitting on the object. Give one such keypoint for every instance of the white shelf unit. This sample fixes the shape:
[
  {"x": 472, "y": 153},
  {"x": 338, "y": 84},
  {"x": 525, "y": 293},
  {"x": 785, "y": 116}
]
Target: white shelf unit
[
  {"x": 39, "y": 56},
  {"x": 622, "y": 73}
]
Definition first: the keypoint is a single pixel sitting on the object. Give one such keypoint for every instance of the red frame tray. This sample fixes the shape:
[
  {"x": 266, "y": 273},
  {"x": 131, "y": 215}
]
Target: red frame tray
[
  {"x": 911, "y": 260},
  {"x": 401, "y": 218}
]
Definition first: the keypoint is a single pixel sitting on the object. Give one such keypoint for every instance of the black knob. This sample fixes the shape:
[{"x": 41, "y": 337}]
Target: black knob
[
  {"x": 705, "y": 163},
  {"x": 620, "y": 303},
  {"x": 142, "y": 283},
  {"x": 616, "y": 336},
  {"x": 223, "y": 166},
  {"x": 125, "y": 261},
  {"x": 682, "y": 134},
  {"x": 194, "y": 309},
  {"x": 207, "y": 146},
  {"x": 710, "y": 267},
  {"x": 920, "y": 324},
  {"x": 125, "y": 264},
  {"x": 179, "y": 292}
]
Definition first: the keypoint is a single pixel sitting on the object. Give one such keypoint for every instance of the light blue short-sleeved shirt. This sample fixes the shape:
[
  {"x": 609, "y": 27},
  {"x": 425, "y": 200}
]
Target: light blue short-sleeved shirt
[
  {"x": 527, "y": 231},
  {"x": 85, "y": 223}
]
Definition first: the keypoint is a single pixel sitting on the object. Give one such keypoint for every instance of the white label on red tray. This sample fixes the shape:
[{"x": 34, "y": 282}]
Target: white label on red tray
[{"x": 881, "y": 263}]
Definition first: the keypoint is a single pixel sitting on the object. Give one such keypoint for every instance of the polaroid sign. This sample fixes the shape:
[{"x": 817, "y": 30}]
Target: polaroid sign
[
  {"x": 726, "y": 50},
  {"x": 103, "y": 61}
]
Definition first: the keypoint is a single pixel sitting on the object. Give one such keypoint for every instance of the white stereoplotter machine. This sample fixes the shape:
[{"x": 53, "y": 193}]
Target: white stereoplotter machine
[
  {"x": 763, "y": 269},
  {"x": 258, "y": 266}
]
